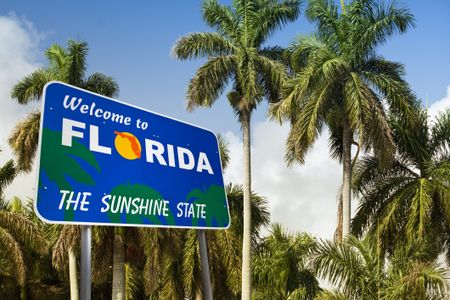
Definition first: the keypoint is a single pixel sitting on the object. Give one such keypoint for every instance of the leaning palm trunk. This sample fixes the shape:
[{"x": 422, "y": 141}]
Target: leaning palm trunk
[
  {"x": 247, "y": 240},
  {"x": 73, "y": 275},
  {"x": 347, "y": 178},
  {"x": 118, "y": 284}
]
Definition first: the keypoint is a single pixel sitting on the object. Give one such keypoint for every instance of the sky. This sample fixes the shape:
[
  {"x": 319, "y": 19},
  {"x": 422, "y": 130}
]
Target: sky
[{"x": 132, "y": 42}]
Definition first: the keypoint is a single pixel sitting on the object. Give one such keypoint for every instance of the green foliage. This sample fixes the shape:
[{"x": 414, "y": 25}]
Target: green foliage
[
  {"x": 7, "y": 173},
  {"x": 66, "y": 65},
  {"x": 18, "y": 236},
  {"x": 340, "y": 82},
  {"x": 224, "y": 152},
  {"x": 280, "y": 266},
  {"x": 359, "y": 270},
  {"x": 409, "y": 200},
  {"x": 24, "y": 140},
  {"x": 234, "y": 52}
]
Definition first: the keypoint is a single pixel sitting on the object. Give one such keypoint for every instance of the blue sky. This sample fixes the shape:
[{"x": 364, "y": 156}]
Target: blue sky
[{"x": 132, "y": 41}]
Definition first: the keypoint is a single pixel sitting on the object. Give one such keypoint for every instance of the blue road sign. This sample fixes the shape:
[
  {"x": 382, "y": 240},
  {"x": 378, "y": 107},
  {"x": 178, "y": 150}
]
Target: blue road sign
[{"x": 106, "y": 162}]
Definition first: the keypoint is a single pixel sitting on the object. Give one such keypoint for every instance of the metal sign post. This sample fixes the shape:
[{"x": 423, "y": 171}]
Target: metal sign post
[
  {"x": 207, "y": 290},
  {"x": 85, "y": 275}
]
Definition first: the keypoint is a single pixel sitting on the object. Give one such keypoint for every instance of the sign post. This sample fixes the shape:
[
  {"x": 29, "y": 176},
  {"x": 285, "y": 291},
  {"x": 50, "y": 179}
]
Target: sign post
[
  {"x": 207, "y": 290},
  {"x": 85, "y": 274},
  {"x": 105, "y": 162}
]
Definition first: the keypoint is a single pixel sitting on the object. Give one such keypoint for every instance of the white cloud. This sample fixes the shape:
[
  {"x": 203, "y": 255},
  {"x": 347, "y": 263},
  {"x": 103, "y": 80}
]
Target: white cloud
[
  {"x": 18, "y": 54},
  {"x": 440, "y": 105},
  {"x": 302, "y": 198}
]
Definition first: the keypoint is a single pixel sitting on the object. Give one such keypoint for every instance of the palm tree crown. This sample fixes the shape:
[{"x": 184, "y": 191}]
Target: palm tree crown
[
  {"x": 410, "y": 200},
  {"x": 66, "y": 65},
  {"x": 234, "y": 52}
]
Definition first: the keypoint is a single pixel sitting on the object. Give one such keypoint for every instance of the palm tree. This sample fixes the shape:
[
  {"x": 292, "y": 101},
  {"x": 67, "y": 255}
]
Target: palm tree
[
  {"x": 69, "y": 66},
  {"x": 16, "y": 233},
  {"x": 66, "y": 65},
  {"x": 360, "y": 271},
  {"x": 342, "y": 83},
  {"x": 409, "y": 200},
  {"x": 281, "y": 268},
  {"x": 234, "y": 54}
]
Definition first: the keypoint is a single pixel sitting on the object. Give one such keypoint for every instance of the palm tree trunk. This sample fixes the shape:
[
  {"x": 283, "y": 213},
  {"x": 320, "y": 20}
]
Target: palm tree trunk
[
  {"x": 118, "y": 284},
  {"x": 74, "y": 293},
  {"x": 347, "y": 179},
  {"x": 247, "y": 240}
]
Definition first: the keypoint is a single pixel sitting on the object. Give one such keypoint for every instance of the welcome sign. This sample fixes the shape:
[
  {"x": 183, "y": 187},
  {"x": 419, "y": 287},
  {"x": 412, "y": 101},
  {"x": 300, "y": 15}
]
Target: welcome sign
[{"x": 105, "y": 162}]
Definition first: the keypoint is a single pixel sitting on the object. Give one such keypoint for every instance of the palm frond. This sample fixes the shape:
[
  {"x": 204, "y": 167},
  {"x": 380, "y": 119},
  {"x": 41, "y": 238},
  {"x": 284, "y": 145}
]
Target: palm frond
[
  {"x": 7, "y": 174},
  {"x": 273, "y": 15},
  {"x": 24, "y": 230},
  {"x": 191, "y": 262},
  {"x": 325, "y": 14},
  {"x": 210, "y": 81},
  {"x": 102, "y": 84},
  {"x": 380, "y": 22},
  {"x": 341, "y": 264},
  {"x": 397, "y": 93},
  {"x": 273, "y": 76},
  {"x": 14, "y": 252},
  {"x": 259, "y": 206},
  {"x": 57, "y": 57},
  {"x": 419, "y": 214},
  {"x": 24, "y": 140},
  {"x": 224, "y": 152},
  {"x": 202, "y": 45},
  {"x": 221, "y": 18},
  {"x": 440, "y": 136},
  {"x": 76, "y": 62},
  {"x": 68, "y": 239},
  {"x": 331, "y": 295},
  {"x": 30, "y": 88}
]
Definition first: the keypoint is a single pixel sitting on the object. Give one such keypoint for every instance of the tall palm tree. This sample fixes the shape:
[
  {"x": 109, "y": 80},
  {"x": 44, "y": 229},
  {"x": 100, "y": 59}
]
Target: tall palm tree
[
  {"x": 409, "y": 200},
  {"x": 342, "y": 83},
  {"x": 359, "y": 271},
  {"x": 281, "y": 268},
  {"x": 235, "y": 55},
  {"x": 69, "y": 66}
]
